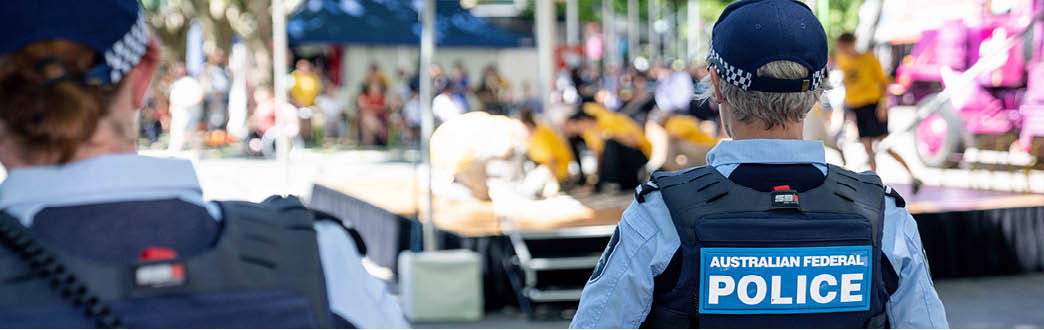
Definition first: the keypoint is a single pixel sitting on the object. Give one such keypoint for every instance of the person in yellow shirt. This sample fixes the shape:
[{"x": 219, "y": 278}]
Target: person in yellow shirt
[
  {"x": 547, "y": 147},
  {"x": 306, "y": 88},
  {"x": 688, "y": 142},
  {"x": 865, "y": 85},
  {"x": 617, "y": 141},
  {"x": 306, "y": 84},
  {"x": 688, "y": 128}
]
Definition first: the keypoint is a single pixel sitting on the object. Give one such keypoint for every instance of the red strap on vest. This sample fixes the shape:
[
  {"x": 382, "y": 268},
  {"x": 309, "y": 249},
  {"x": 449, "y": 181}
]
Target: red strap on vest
[{"x": 155, "y": 253}]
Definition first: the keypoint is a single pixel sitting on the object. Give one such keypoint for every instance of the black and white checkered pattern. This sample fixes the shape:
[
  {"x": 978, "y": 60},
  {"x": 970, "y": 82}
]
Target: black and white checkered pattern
[
  {"x": 817, "y": 78},
  {"x": 731, "y": 74},
  {"x": 127, "y": 52},
  {"x": 739, "y": 78}
]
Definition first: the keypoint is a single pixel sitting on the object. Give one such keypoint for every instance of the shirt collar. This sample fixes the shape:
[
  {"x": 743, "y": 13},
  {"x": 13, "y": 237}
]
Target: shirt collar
[
  {"x": 767, "y": 151},
  {"x": 117, "y": 177}
]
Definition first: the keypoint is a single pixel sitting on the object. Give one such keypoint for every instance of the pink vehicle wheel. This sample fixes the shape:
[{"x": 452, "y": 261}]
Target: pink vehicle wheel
[
  {"x": 931, "y": 134},
  {"x": 938, "y": 137}
]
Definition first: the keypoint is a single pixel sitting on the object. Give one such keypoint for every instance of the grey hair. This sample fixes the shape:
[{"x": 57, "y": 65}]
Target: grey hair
[{"x": 771, "y": 108}]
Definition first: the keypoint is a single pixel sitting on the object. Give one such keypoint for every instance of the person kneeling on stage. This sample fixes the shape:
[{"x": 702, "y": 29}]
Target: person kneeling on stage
[
  {"x": 548, "y": 148},
  {"x": 687, "y": 142},
  {"x": 618, "y": 142},
  {"x": 464, "y": 148},
  {"x": 93, "y": 235}
]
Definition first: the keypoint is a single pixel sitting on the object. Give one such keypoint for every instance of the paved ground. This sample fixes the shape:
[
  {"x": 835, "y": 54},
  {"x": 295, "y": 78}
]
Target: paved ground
[
  {"x": 990, "y": 302},
  {"x": 994, "y": 302}
]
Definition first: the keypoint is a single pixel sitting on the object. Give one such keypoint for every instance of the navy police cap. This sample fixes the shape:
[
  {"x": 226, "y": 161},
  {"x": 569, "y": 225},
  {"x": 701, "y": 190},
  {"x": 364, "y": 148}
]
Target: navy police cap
[
  {"x": 114, "y": 28},
  {"x": 752, "y": 33}
]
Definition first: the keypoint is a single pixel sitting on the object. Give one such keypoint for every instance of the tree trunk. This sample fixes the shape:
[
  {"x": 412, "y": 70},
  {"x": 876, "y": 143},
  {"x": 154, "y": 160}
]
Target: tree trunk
[{"x": 260, "y": 41}]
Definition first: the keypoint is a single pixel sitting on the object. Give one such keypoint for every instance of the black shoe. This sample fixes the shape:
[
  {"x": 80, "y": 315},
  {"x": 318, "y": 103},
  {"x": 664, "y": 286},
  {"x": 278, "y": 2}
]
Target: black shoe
[{"x": 917, "y": 185}]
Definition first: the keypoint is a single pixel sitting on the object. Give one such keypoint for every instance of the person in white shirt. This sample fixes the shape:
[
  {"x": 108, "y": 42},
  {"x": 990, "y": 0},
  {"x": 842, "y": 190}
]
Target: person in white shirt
[
  {"x": 444, "y": 107},
  {"x": 186, "y": 107},
  {"x": 333, "y": 110},
  {"x": 674, "y": 91}
]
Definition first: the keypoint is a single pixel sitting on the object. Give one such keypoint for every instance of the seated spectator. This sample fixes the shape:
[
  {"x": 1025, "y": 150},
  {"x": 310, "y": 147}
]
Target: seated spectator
[
  {"x": 491, "y": 90},
  {"x": 373, "y": 116},
  {"x": 332, "y": 109},
  {"x": 444, "y": 107}
]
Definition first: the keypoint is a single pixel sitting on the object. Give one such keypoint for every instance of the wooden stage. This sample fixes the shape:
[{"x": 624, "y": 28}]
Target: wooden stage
[
  {"x": 484, "y": 218},
  {"x": 965, "y": 232},
  {"x": 472, "y": 218}
]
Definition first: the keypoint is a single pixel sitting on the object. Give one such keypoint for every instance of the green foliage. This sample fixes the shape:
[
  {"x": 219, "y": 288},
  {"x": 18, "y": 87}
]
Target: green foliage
[{"x": 842, "y": 16}]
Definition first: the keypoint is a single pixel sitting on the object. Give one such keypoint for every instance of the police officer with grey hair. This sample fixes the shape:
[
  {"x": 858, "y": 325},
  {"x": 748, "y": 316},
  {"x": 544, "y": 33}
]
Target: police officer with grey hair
[
  {"x": 767, "y": 235},
  {"x": 94, "y": 235}
]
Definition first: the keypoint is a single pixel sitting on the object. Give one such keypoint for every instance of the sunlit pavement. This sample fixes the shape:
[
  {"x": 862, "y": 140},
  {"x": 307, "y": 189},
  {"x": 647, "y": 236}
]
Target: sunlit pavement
[
  {"x": 254, "y": 179},
  {"x": 985, "y": 302},
  {"x": 994, "y": 302}
]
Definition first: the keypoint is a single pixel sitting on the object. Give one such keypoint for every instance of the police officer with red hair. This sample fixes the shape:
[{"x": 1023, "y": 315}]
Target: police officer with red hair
[{"x": 94, "y": 235}]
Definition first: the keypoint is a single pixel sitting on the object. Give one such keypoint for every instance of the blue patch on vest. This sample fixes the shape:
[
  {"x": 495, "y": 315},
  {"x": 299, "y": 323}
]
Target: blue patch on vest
[{"x": 794, "y": 280}]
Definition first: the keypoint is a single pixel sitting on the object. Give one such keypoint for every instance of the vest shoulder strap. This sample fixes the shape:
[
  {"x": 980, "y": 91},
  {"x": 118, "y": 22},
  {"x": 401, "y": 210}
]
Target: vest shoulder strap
[
  {"x": 695, "y": 193},
  {"x": 866, "y": 191},
  {"x": 357, "y": 238},
  {"x": 899, "y": 201},
  {"x": 274, "y": 242},
  {"x": 661, "y": 180}
]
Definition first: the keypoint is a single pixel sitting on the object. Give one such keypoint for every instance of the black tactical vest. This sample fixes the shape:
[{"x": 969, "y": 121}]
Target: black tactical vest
[
  {"x": 780, "y": 259},
  {"x": 263, "y": 272}
]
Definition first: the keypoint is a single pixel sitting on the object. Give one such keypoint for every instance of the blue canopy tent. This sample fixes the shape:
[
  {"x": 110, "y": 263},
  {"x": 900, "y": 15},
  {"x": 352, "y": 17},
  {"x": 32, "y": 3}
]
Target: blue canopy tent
[{"x": 394, "y": 22}]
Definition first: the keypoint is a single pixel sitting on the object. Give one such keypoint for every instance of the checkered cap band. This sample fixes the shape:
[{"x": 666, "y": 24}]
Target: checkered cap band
[
  {"x": 817, "y": 78},
  {"x": 732, "y": 75},
  {"x": 745, "y": 80},
  {"x": 128, "y": 51}
]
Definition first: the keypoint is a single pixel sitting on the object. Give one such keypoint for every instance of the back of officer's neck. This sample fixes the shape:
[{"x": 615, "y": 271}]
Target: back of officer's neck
[
  {"x": 757, "y": 130},
  {"x": 110, "y": 137}
]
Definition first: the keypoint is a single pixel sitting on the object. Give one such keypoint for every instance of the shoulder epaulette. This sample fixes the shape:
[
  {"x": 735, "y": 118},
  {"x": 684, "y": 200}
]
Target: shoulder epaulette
[
  {"x": 899, "y": 201},
  {"x": 645, "y": 189}
]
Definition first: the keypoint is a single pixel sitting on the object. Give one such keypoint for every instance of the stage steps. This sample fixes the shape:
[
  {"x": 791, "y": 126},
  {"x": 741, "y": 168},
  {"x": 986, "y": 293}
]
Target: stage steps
[{"x": 552, "y": 266}]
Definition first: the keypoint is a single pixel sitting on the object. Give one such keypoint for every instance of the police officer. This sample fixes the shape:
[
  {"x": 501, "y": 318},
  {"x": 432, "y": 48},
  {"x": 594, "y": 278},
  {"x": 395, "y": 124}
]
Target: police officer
[
  {"x": 768, "y": 235},
  {"x": 93, "y": 235}
]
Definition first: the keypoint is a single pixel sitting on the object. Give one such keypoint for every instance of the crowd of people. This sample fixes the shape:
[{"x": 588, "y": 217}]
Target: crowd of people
[
  {"x": 197, "y": 109},
  {"x": 628, "y": 119}
]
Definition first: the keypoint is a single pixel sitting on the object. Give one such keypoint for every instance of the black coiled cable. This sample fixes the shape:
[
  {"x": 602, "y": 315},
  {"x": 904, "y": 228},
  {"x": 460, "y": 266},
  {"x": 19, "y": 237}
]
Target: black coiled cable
[{"x": 43, "y": 263}]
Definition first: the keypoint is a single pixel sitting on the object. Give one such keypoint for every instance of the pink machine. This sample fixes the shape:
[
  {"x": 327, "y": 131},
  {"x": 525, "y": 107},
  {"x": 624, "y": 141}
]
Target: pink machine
[{"x": 1002, "y": 109}]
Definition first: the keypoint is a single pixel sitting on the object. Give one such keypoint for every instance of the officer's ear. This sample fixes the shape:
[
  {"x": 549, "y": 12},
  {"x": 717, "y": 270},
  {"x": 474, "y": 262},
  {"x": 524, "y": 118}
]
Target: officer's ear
[
  {"x": 716, "y": 81},
  {"x": 142, "y": 74}
]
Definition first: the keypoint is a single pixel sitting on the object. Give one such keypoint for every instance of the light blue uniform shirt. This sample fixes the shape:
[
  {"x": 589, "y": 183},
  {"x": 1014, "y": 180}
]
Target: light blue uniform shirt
[
  {"x": 623, "y": 294},
  {"x": 351, "y": 292}
]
